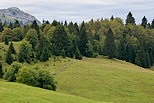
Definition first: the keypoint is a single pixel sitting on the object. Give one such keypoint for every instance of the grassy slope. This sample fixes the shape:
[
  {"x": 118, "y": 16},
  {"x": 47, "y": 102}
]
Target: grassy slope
[
  {"x": 108, "y": 80},
  {"x": 20, "y": 93},
  {"x": 99, "y": 79}
]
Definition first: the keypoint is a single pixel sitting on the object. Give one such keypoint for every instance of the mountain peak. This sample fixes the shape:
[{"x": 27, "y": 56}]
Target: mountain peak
[
  {"x": 13, "y": 13},
  {"x": 14, "y": 8}
]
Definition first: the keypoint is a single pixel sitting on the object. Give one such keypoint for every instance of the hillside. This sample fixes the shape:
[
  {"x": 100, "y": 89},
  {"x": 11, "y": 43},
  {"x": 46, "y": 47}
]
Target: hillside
[
  {"x": 98, "y": 79},
  {"x": 20, "y": 93},
  {"x": 13, "y": 13},
  {"x": 107, "y": 80}
]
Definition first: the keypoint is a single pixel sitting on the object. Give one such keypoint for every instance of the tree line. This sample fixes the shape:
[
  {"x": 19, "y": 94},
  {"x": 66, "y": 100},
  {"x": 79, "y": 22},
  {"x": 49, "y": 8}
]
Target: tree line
[{"x": 109, "y": 37}]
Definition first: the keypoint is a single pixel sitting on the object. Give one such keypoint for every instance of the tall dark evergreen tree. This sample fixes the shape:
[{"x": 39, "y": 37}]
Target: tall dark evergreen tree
[
  {"x": 137, "y": 60},
  {"x": 89, "y": 50},
  {"x": 36, "y": 27},
  {"x": 130, "y": 19},
  {"x": 6, "y": 40},
  {"x": 112, "y": 18},
  {"x": 16, "y": 24},
  {"x": 83, "y": 39},
  {"x": 109, "y": 46},
  {"x": 1, "y": 27},
  {"x": 152, "y": 24},
  {"x": 9, "y": 58},
  {"x": 122, "y": 50},
  {"x": 144, "y": 22},
  {"x": 1, "y": 70},
  {"x": 11, "y": 48},
  {"x": 10, "y": 26},
  {"x": 60, "y": 40}
]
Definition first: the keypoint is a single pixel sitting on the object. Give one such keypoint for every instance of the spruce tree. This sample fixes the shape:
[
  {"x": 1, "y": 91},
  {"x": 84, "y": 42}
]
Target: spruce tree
[
  {"x": 152, "y": 24},
  {"x": 89, "y": 50},
  {"x": 130, "y": 19},
  {"x": 6, "y": 40},
  {"x": 60, "y": 40},
  {"x": 78, "y": 54},
  {"x": 144, "y": 22},
  {"x": 109, "y": 46},
  {"x": 1, "y": 70},
  {"x": 83, "y": 39},
  {"x": 112, "y": 18},
  {"x": 1, "y": 27},
  {"x": 63, "y": 54},
  {"x": 137, "y": 60},
  {"x": 122, "y": 50},
  {"x": 36, "y": 27},
  {"x": 9, "y": 58},
  {"x": 16, "y": 24},
  {"x": 11, "y": 48},
  {"x": 10, "y": 26}
]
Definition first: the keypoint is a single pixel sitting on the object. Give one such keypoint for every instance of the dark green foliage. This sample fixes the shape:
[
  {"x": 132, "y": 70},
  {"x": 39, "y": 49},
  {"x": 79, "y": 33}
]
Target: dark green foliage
[
  {"x": 25, "y": 52},
  {"x": 1, "y": 70},
  {"x": 60, "y": 40},
  {"x": 137, "y": 60},
  {"x": 1, "y": 27},
  {"x": 89, "y": 50},
  {"x": 12, "y": 71},
  {"x": 152, "y": 24},
  {"x": 11, "y": 48},
  {"x": 9, "y": 58},
  {"x": 46, "y": 80},
  {"x": 36, "y": 27},
  {"x": 122, "y": 50},
  {"x": 130, "y": 19},
  {"x": 78, "y": 54},
  {"x": 6, "y": 40},
  {"x": 109, "y": 46},
  {"x": 83, "y": 39},
  {"x": 63, "y": 54},
  {"x": 112, "y": 18},
  {"x": 42, "y": 51},
  {"x": 144, "y": 22},
  {"x": 54, "y": 23},
  {"x": 16, "y": 24},
  {"x": 10, "y": 26}
]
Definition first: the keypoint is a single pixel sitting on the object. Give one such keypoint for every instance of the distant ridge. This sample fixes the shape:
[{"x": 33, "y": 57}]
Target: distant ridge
[{"x": 13, "y": 13}]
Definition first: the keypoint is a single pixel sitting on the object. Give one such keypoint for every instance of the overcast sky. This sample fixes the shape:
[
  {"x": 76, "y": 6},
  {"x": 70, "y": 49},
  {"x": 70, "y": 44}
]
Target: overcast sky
[{"x": 79, "y": 10}]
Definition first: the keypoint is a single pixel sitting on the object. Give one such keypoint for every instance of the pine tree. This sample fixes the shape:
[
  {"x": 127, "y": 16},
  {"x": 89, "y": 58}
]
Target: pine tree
[
  {"x": 122, "y": 50},
  {"x": 36, "y": 27},
  {"x": 25, "y": 52},
  {"x": 60, "y": 40},
  {"x": 137, "y": 60},
  {"x": 152, "y": 24},
  {"x": 6, "y": 40},
  {"x": 148, "y": 62},
  {"x": 109, "y": 46},
  {"x": 9, "y": 58},
  {"x": 144, "y": 22},
  {"x": 44, "y": 56},
  {"x": 78, "y": 54},
  {"x": 63, "y": 54},
  {"x": 11, "y": 48},
  {"x": 112, "y": 18},
  {"x": 130, "y": 19},
  {"x": 83, "y": 39},
  {"x": 10, "y": 26},
  {"x": 1, "y": 70},
  {"x": 1, "y": 27},
  {"x": 89, "y": 50},
  {"x": 16, "y": 24}
]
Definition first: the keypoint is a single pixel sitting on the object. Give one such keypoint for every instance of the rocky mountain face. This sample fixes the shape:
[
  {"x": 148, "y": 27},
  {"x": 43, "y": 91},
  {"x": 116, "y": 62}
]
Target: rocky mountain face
[{"x": 13, "y": 13}]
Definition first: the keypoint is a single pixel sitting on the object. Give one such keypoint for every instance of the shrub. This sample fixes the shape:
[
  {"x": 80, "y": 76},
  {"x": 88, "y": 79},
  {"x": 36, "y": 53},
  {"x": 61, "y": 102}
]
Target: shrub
[
  {"x": 11, "y": 71},
  {"x": 27, "y": 76}
]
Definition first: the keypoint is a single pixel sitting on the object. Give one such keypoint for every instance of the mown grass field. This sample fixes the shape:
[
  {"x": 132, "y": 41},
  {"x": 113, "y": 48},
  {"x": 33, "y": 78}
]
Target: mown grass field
[
  {"x": 107, "y": 80},
  {"x": 90, "y": 80},
  {"x": 20, "y": 93}
]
